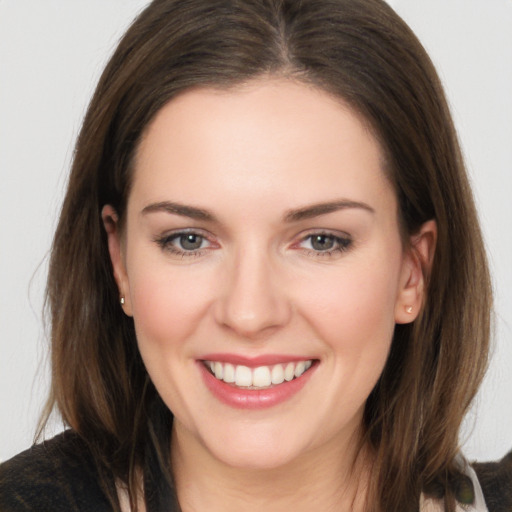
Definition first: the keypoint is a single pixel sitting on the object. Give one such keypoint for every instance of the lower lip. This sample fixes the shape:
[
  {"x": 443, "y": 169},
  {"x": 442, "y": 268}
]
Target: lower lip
[{"x": 254, "y": 398}]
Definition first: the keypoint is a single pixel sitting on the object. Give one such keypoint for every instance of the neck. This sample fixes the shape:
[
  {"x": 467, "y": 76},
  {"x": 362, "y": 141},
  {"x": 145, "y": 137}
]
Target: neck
[{"x": 332, "y": 477}]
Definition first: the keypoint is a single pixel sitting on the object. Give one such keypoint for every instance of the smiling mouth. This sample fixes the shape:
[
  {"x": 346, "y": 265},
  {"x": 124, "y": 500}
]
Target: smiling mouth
[{"x": 261, "y": 377}]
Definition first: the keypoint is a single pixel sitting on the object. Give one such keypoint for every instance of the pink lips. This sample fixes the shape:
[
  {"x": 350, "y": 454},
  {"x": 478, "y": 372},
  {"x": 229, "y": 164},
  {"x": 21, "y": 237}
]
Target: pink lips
[{"x": 241, "y": 398}]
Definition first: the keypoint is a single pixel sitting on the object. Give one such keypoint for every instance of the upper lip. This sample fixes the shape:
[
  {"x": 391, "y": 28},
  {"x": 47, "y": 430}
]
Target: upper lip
[{"x": 253, "y": 362}]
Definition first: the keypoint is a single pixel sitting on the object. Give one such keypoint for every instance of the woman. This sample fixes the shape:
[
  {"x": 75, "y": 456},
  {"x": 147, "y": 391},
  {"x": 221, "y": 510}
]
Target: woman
[{"x": 268, "y": 286}]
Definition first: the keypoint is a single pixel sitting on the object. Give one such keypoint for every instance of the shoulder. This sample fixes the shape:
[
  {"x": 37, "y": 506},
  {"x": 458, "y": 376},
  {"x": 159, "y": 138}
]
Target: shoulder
[
  {"x": 57, "y": 475},
  {"x": 495, "y": 478}
]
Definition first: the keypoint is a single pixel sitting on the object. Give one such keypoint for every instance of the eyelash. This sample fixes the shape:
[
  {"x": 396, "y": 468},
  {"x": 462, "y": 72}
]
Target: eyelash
[
  {"x": 341, "y": 244},
  {"x": 166, "y": 243}
]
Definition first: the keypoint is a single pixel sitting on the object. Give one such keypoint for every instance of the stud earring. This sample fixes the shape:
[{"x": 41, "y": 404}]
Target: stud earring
[
  {"x": 121, "y": 301},
  {"x": 408, "y": 309}
]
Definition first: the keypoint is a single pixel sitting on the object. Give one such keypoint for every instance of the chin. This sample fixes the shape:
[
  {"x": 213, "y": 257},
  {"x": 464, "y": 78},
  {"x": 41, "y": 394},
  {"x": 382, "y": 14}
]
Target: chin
[
  {"x": 255, "y": 460},
  {"x": 255, "y": 450}
]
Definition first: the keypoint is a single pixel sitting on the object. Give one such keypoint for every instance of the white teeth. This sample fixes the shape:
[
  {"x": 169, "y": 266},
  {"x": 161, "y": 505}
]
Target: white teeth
[
  {"x": 243, "y": 376},
  {"x": 259, "y": 377},
  {"x": 289, "y": 372},
  {"x": 229, "y": 373},
  {"x": 277, "y": 374},
  {"x": 218, "y": 370},
  {"x": 300, "y": 369}
]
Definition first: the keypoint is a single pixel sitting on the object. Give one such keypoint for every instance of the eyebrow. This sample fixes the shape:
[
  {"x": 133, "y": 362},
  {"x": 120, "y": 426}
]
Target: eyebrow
[
  {"x": 315, "y": 210},
  {"x": 180, "y": 209},
  {"x": 295, "y": 215}
]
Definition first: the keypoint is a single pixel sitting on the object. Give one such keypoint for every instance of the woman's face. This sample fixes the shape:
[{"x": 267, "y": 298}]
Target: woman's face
[{"x": 264, "y": 269}]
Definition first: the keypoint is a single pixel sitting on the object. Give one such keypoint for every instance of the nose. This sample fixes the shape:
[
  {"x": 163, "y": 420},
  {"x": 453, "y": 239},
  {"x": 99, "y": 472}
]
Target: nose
[{"x": 252, "y": 300}]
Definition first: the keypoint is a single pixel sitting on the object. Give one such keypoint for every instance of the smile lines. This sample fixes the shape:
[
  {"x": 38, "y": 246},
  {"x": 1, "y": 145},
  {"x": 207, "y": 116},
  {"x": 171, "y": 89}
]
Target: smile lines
[{"x": 259, "y": 377}]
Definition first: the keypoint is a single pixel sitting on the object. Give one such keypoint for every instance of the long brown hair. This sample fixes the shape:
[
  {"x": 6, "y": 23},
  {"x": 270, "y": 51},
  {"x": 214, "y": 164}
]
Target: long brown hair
[{"x": 363, "y": 53}]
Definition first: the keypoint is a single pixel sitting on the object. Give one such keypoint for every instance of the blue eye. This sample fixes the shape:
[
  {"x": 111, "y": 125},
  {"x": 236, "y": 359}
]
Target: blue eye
[
  {"x": 325, "y": 244},
  {"x": 322, "y": 242},
  {"x": 190, "y": 241},
  {"x": 183, "y": 243}
]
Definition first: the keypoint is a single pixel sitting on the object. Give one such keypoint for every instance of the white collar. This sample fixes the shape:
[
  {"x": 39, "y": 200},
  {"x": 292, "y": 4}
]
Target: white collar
[{"x": 432, "y": 505}]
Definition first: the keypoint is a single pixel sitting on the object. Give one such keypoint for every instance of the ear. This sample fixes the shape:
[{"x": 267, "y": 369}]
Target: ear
[
  {"x": 115, "y": 249},
  {"x": 416, "y": 266}
]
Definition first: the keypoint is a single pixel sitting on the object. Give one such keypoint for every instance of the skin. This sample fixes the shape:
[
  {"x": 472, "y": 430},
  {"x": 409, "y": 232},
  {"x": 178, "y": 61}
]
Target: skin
[{"x": 249, "y": 156}]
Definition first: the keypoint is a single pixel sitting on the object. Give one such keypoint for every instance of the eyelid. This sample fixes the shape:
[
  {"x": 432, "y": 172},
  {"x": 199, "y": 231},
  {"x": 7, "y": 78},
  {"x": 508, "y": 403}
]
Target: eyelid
[
  {"x": 343, "y": 241},
  {"x": 165, "y": 240}
]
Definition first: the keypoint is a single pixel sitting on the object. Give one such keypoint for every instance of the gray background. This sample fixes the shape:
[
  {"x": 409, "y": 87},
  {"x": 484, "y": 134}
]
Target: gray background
[{"x": 51, "y": 54}]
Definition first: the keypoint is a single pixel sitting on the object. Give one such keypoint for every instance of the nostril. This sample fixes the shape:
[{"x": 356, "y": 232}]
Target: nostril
[{"x": 252, "y": 316}]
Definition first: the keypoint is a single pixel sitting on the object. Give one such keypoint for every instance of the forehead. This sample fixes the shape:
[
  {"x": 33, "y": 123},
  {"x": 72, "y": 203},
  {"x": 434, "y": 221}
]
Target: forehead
[{"x": 274, "y": 139}]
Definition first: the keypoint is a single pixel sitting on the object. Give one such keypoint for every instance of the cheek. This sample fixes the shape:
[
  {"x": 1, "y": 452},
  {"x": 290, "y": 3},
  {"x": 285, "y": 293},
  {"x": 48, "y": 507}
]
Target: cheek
[
  {"x": 167, "y": 310},
  {"x": 353, "y": 316},
  {"x": 167, "y": 305},
  {"x": 352, "y": 310},
  {"x": 363, "y": 298}
]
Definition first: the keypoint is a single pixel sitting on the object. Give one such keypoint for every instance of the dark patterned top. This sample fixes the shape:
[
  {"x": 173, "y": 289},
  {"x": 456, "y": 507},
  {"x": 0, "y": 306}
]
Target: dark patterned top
[{"x": 60, "y": 475}]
